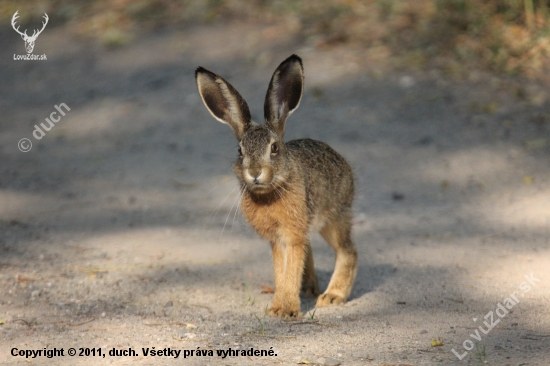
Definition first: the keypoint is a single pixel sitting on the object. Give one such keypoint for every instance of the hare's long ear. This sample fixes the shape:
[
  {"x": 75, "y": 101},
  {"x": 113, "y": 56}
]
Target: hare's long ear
[
  {"x": 223, "y": 101},
  {"x": 284, "y": 93}
]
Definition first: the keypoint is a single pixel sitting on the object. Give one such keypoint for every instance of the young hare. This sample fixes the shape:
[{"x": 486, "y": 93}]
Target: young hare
[{"x": 289, "y": 189}]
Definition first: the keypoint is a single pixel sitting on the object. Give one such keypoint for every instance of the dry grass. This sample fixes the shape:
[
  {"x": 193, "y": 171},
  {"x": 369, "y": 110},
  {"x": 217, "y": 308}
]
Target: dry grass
[{"x": 503, "y": 36}]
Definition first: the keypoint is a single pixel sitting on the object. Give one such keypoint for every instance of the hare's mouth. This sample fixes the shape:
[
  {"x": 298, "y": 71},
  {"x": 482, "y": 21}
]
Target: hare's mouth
[
  {"x": 259, "y": 188},
  {"x": 276, "y": 185}
]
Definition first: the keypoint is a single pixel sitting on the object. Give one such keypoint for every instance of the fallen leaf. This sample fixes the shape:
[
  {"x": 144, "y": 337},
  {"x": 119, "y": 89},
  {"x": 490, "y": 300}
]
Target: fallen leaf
[
  {"x": 529, "y": 179},
  {"x": 21, "y": 278},
  {"x": 188, "y": 335},
  {"x": 490, "y": 108},
  {"x": 2, "y": 322},
  {"x": 190, "y": 326},
  {"x": 304, "y": 362},
  {"x": 536, "y": 144},
  {"x": 437, "y": 343},
  {"x": 267, "y": 290}
]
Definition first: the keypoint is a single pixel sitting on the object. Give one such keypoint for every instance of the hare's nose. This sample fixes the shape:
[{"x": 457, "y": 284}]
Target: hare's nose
[{"x": 255, "y": 175}]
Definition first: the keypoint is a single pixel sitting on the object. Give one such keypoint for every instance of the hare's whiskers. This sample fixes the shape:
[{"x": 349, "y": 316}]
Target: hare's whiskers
[
  {"x": 229, "y": 213},
  {"x": 225, "y": 180},
  {"x": 213, "y": 214},
  {"x": 275, "y": 190},
  {"x": 272, "y": 185},
  {"x": 238, "y": 206},
  {"x": 281, "y": 195},
  {"x": 276, "y": 184}
]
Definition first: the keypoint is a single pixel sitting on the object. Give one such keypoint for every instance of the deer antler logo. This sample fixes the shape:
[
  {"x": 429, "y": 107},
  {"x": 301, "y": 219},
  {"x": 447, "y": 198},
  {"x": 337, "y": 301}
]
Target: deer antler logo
[{"x": 29, "y": 41}]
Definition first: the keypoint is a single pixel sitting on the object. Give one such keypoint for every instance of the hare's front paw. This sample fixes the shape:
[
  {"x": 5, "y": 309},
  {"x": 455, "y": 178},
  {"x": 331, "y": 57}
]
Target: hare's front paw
[
  {"x": 328, "y": 299},
  {"x": 285, "y": 312}
]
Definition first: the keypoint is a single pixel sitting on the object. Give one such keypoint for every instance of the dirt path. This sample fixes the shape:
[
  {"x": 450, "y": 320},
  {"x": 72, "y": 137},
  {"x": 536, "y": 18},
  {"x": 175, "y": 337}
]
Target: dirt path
[{"x": 118, "y": 229}]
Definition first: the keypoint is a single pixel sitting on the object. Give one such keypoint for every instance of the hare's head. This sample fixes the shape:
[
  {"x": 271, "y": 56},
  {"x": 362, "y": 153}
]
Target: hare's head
[{"x": 262, "y": 164}]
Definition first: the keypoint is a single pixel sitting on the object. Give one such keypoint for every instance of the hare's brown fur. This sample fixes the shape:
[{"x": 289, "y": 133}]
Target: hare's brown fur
[{"x": 289, "y": 189}]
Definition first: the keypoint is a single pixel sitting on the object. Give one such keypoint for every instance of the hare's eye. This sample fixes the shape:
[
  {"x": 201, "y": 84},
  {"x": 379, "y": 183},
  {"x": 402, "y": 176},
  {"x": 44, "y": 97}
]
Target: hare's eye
[
  {"x": 274, "y": 149},
  {"x": 240, "y": 152}
]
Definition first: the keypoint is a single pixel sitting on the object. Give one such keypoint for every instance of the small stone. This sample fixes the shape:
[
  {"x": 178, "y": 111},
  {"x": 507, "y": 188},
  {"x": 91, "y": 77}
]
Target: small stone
[
  {"x": 35, "y": 293},
  {"x": 169, "y": 304},
  {"x": 103, "y": 314},
  {"x": 328, "y": 361},
  {"x": 397, "y": 196},
  {"x": 426, "y": 140},
  {"x": 360, "y": 218},
  {"x": 423, "y": 331},
  {"x": 406, "y": 81},
  {"x": 184, "y": 335}
]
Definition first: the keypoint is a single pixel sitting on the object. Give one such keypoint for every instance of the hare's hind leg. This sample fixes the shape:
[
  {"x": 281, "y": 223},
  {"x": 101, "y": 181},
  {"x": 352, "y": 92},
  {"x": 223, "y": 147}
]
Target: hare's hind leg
[
  {"x": 310, "y": 287},
  {"x": 338, "y": 234}
]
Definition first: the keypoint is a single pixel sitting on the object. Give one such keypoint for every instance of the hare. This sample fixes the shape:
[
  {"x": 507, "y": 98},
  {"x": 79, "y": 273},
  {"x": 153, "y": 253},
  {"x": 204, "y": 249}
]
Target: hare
[{"x": 289, "y": 189}]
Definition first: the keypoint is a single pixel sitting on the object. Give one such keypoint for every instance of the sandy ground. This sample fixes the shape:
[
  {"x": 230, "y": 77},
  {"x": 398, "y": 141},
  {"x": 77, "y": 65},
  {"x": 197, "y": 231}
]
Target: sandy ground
[{"x": 119, "y": 228}]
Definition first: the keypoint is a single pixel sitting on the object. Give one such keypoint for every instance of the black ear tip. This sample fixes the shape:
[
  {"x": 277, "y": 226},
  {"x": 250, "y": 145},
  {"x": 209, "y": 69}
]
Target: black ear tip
[
  {"x": 201, "y": 70},
  {"x": 198, "y": 70},
  {"x": 295, "y": 58}
]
